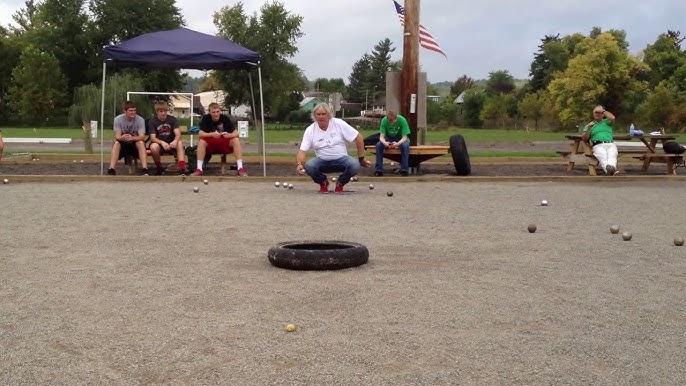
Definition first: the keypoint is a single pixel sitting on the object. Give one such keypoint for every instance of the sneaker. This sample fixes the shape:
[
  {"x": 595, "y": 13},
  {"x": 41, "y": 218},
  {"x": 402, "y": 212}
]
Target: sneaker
[
  {"x": 197, "y": 173},
  {"x": 378, "y": 174},
  {"x": 610, "y": 170},
  {"x": 111, "y": 172},
  {"x": 144, "y": 172},
  {"x": 339, "y": 188},
  {"x": 324, "y": 187},
  {"x": 183, "y": 172},
  {"x": 242, "y": 173},
  {"x": 404, "y": 173},
  {"x": 159, "y": 171}
]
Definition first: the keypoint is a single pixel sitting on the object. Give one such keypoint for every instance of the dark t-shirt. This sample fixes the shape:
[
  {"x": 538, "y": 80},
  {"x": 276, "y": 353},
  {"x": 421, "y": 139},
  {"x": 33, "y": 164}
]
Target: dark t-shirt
[
  {"x": 163, "y": 130},
  {"x": 224, "y": 124}
]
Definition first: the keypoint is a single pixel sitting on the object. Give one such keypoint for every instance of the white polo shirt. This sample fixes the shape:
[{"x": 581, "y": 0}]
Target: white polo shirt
[{"x": 329, "y": 144}]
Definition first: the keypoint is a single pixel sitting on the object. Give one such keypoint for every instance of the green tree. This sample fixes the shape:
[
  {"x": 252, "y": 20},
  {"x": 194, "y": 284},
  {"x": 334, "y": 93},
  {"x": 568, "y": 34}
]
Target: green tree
[
  {"x": 36, "y": 94},
  {"x": 462, "y": 83},
  {"x": 9, "y": 57},
  {"x": 449, "y": 112},
  {"x": 535, "y": 106},
  {"x": 500, "y": 82},
  {"x": 495, "y": 109},
  {"x": 62, "y": 28},
  {"x": 380, "y": 64},
  {"x": 25, "y": 17},
  {"x": 474, "y": 99},
  {"x": 359, "y": 80},
  {"x": 273, "y": 33},
  {"x": 659, "y": 106},
  {"x": 367, "y": 81},
  {"x": 664, "y": 56},
  {"x": 329, "y": 85},
  {"x": 619, "y": 35},
  {"x": 552, "y": 56},
  {"x": 602, "y": 73}
]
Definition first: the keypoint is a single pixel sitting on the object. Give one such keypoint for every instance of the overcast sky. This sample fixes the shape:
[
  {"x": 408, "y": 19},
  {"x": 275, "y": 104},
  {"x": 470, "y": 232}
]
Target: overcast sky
[{"x": 477, "y": 36}]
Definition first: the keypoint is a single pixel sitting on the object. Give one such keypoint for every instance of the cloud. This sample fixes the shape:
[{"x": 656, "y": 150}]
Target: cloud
[{"x": 477, "y": 36}]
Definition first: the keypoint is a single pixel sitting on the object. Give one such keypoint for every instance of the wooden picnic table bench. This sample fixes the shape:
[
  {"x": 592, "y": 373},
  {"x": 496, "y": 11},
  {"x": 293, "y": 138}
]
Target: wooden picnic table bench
[{"x": 581, "y": 152}]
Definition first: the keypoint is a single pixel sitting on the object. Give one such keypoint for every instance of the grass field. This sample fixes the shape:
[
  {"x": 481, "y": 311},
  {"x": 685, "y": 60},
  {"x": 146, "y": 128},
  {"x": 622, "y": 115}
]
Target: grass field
[{"x": 286, "y": 136}]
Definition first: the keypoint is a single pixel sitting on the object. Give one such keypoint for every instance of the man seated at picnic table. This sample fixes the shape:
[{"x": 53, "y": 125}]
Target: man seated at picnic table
[
  {"x": 165, "y": 138},
  {"x": 393, "y": 134},
  {"x": 129, "y": 135},
  {"x": 599, "y": 133}
]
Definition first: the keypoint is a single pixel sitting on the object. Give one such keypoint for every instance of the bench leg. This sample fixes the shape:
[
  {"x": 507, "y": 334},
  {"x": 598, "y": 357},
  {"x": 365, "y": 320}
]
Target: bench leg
[
  {"x": 671, "y": 168},
  {"x": 223, "y": 164},
  {"x": 591, "y": 170},
  {"x": 133, "y": 164}
]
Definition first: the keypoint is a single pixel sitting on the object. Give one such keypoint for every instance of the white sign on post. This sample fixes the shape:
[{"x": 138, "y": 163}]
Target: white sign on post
[
  {"x": 243, "y": 129},
  {"x": 94, "y": 129}
]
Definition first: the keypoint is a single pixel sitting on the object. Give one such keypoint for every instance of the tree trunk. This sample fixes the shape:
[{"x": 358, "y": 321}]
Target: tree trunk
[{"x": 87, "y": 140}]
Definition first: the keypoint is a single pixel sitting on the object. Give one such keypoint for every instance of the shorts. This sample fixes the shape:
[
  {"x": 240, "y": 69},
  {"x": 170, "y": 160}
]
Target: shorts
[
  {"x": 172, "y": 150},
  {"x": 128, "y": 149},
  {"x": 218, "y": 145}
]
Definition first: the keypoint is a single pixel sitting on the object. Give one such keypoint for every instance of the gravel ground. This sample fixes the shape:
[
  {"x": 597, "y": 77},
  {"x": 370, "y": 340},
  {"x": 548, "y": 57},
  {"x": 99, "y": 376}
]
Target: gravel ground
[
  {"x": 283, "y": 167},
  {"x": 100, "y": 284}
]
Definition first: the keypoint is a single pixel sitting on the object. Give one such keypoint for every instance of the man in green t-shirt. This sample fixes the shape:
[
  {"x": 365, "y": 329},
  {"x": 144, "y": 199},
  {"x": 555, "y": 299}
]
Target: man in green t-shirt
[
  {"x": 599, "y": 133},
  {"x": 393, "y": 134}
]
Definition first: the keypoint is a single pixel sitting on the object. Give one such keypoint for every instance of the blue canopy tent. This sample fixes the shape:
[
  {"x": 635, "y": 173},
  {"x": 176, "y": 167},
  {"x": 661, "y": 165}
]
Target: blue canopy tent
[{"x": 183, "y": 49}]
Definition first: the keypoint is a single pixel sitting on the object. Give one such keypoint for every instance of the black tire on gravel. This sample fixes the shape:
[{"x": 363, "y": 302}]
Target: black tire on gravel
[
  {"x": 318, "y": 255},
  {"x": 458, "y": 149}
]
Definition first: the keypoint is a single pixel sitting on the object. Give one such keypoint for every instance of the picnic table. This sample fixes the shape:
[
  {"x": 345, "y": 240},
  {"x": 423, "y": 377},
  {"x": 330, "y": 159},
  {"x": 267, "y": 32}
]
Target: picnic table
[{"x": 645, "y": 148}]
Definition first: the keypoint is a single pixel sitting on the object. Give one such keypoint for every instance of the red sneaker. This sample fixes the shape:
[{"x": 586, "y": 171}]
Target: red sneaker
[
  {"x": 339, "y": 188},
  {"x": 197, "y": 172},
  {"x": 324, "y": 187},
  {"x": 242, "y": 173}
]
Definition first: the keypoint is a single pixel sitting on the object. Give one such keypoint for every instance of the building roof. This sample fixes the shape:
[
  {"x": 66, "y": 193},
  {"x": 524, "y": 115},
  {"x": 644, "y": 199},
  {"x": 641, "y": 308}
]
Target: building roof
[{"x": 307, "y": 100}]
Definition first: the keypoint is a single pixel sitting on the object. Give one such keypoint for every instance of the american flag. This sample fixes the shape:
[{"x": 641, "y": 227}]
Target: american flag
[{"x": 425, "y": 39}]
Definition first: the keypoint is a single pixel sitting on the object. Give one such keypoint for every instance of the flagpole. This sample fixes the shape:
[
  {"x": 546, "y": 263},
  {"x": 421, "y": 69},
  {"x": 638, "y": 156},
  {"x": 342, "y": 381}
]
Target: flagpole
[{"x": 410, "y": 72}]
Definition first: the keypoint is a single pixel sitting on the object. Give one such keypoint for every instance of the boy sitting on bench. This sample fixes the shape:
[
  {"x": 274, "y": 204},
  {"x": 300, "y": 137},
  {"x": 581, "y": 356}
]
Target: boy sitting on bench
[
  {"x": 165, "y": 138},
  {"x": 218, "y": 135}
]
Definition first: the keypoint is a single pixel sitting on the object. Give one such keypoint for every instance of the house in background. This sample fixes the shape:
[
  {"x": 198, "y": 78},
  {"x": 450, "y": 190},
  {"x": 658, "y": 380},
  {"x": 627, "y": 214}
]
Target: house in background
[
  {"x": 459, "y": 101},
  {"x": 435, "y": 98},
  {"x": 308, "y": 103},
  {"x": 208, "y": 97},
  {"x": 180, "y": 106}
]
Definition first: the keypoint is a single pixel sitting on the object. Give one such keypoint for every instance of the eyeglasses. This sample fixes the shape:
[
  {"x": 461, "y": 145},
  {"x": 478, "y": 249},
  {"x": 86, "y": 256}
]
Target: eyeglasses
[{"x": 597, "y": 112}]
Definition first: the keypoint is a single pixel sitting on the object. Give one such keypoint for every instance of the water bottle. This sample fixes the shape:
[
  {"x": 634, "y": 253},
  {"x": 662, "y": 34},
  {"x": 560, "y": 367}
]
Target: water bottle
[{"x": 632, "y": 129}]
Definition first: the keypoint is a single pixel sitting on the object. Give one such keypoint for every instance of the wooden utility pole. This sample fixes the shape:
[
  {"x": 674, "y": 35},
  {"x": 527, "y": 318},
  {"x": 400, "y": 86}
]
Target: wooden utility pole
[{"x": 409, "y": 76}]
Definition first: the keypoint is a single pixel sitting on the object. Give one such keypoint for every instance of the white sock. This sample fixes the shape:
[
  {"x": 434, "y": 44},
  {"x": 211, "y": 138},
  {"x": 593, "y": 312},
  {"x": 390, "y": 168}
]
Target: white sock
[
  {"x": 200, "y": 164},
  {"x": 239, "y": 163}
]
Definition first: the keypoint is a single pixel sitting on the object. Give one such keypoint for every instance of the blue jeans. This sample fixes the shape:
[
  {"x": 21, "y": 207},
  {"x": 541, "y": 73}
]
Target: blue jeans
[
  {"x": 404, "y": 155},
  {"x": 316, "y": 167}
]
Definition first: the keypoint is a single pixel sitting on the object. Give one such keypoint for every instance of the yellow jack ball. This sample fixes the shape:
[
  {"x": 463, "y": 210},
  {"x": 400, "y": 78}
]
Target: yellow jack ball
[{"x": 290, "y": 328}]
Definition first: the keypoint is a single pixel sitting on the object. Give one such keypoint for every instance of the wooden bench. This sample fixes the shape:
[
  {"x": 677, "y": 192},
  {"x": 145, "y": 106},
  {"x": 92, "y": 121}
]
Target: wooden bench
[
  {"x": 132, "y": 162},
  {"x": 418, "y": 153}
]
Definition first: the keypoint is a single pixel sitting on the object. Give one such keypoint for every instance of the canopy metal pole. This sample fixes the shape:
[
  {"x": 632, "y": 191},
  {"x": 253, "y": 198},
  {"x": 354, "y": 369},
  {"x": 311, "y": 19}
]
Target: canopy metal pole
[
  {"x": 252, "y": 94},
  {"x": 102, "y": 119},
  {"x": 264, "y": 140}
]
